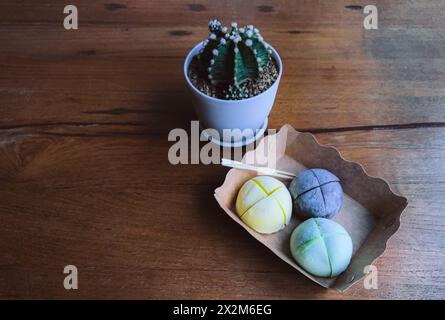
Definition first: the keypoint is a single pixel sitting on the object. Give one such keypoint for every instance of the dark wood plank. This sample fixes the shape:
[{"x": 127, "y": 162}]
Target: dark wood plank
[{"x": 132, "y": 56}]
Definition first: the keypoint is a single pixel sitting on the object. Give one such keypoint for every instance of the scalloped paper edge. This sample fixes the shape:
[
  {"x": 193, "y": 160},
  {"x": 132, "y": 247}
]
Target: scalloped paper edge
[{"x": 376, "y": 241}]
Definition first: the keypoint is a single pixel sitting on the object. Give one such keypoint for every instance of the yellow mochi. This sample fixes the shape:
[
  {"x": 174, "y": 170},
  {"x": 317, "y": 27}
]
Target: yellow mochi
[{"x": 264, "y": 204}]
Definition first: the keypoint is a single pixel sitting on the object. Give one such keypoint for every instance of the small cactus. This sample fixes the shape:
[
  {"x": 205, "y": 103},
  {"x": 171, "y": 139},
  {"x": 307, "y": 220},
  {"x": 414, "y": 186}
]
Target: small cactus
[{"x": 231, "y": 58}]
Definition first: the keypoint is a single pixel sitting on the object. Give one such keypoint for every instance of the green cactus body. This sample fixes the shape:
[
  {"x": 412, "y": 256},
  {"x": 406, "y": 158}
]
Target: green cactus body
[{"x": 234, "y": 57}]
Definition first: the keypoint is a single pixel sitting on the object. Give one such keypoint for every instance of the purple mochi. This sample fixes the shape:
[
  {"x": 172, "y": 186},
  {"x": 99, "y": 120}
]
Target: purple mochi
[{"x": 316, "y": 193}]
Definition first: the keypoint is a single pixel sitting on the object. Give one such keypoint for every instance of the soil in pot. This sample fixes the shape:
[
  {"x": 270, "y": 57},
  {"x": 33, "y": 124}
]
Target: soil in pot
[{"x": 199, "y": 77}]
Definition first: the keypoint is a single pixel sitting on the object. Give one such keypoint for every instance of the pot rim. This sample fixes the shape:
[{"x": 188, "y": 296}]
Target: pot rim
[{"x": 192, "y": 53}]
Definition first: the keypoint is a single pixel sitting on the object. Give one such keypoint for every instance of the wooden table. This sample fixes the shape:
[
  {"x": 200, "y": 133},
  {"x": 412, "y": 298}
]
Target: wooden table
[{"x": 84, "y": 119}]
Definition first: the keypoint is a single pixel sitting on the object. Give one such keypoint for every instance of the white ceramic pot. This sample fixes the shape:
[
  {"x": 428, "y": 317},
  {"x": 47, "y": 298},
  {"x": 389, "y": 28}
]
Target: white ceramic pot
[{"x": 220, "y": 114}]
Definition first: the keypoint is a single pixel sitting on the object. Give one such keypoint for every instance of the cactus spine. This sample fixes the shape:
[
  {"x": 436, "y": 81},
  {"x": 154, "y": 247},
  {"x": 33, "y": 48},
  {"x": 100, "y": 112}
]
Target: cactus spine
[{"x": 231, "y": 58}]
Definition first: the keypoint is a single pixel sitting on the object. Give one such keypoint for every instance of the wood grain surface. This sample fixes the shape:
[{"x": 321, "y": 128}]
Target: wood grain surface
[{"x": 84, "y": 119}]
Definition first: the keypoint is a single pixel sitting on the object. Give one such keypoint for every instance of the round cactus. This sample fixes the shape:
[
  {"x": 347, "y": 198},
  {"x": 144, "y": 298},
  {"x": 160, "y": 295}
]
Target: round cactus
[{"x": 231, "y": 58}]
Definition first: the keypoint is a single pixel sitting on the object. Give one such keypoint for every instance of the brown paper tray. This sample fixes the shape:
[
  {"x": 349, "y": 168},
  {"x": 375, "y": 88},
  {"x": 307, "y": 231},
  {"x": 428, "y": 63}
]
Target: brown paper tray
[{"x": 370, "y": 213}]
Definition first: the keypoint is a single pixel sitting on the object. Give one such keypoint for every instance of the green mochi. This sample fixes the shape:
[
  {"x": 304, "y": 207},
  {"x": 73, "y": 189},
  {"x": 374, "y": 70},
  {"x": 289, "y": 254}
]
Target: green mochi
[{"x": 322, "y": 247}]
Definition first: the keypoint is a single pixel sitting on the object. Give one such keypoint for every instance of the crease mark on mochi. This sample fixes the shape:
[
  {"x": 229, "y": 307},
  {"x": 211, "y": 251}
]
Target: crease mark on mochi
[
  {"x": 324, "y": 244},
  {"x": 321, "y": 185},
  {"x": 259, "y": 184},
  {"x": 273, "y": 190},
  {"x": 262, "y": 189},
  {"x": 249, "y": 208},
  {"x": 305, "y": 245},
  {"x": 282, "y": 209},
  {"x": 321, "y": 191}
]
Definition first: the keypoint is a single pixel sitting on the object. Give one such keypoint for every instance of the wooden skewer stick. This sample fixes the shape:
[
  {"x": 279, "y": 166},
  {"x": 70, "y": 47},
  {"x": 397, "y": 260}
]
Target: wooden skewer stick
[{"x": 263, "y": 170}]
